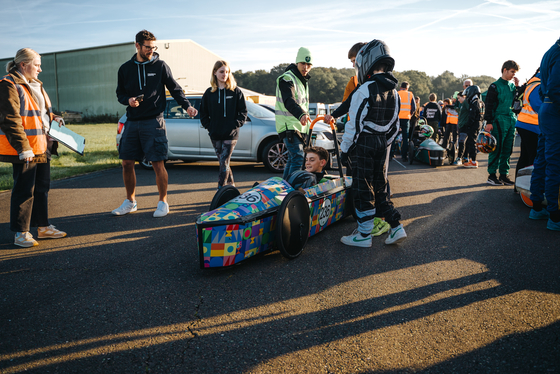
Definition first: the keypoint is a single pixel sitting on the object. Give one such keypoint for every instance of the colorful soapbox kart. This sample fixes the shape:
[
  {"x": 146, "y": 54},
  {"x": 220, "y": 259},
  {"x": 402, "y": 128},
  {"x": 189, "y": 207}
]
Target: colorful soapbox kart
[{"x": 271, "y": 215}]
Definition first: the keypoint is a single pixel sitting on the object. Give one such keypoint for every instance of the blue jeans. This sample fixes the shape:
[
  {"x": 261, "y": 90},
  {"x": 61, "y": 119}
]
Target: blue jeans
[{"x": 295, "y": 156}]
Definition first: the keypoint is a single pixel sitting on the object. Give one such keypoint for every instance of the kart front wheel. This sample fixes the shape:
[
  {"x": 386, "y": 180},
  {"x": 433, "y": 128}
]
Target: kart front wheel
[
  {"x": 222, "y": 196},
  {"x": 292, "y": 224}
]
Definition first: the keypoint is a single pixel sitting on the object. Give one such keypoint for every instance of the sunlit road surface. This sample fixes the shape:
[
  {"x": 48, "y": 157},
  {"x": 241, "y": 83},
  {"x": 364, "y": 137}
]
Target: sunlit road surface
[{"x": 475, "y": 288}]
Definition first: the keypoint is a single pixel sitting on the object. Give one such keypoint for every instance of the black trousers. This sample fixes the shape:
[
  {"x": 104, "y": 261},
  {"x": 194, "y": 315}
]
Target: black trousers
[
  {"x": 529, "y": 142},
  {"x": 29, "y": 206}
]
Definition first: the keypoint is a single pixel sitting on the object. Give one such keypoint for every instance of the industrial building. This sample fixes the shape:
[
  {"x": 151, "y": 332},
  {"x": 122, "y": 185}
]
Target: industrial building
[{"x": 85, "y": 80}]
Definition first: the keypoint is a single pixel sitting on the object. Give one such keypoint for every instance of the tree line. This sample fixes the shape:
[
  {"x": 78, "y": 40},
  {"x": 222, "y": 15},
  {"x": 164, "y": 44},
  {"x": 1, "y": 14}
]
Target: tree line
[{"x": 327, "y": 84}]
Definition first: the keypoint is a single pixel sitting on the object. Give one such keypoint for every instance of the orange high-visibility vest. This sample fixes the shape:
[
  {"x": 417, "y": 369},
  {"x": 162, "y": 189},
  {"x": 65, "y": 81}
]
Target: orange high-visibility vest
[
  {"x": 406, "y": 104},
  {"x": 528, "y": 115},
  {"x": 452, "y": 116},
  {"x": 31, "y": 120}
]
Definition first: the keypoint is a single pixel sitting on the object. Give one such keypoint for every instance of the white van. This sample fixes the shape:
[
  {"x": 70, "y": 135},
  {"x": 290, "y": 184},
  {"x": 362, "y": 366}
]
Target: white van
[{"x": 317, "y": 109}]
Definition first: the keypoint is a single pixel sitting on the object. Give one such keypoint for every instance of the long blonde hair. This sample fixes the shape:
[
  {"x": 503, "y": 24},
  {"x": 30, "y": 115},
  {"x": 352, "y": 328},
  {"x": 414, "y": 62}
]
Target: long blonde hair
[
  {"x": 230, "y": 82},
  {"x": 25, "y": 55}
]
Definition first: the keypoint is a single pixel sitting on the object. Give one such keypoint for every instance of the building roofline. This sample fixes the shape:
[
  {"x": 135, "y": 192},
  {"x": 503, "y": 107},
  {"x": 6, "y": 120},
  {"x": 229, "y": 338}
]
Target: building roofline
[{"x": 119, "y": 44}]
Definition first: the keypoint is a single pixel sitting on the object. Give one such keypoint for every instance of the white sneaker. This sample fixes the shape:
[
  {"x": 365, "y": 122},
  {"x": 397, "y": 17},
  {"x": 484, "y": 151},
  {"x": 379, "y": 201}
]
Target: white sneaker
[
  {"x": 357, "y": 240},
  {"x": 396, "y": 235},
  {"x": 126, "y": 207},
  {"x": 25, "y": 240},
  {"x": 162, "y": 209}
]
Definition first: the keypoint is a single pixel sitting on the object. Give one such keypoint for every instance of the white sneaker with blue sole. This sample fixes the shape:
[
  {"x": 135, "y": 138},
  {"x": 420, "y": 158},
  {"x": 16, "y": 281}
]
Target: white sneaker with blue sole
[{"x": 396, "y": 235}]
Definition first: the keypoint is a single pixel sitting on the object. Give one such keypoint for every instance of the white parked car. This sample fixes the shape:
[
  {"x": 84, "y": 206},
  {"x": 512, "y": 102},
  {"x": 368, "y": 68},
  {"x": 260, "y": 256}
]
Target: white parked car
[{"x": 258, "y": 140}]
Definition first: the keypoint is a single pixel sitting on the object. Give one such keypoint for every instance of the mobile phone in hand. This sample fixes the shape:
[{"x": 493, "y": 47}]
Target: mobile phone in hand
[{"x": 140, "y": 98}]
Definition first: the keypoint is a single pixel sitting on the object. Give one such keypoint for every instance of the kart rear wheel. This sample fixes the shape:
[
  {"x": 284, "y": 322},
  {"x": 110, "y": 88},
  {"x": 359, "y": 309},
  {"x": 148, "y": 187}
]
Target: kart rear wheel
[
  {"x": 222, "y": 196},
  {"x": 292, "y": 225}
]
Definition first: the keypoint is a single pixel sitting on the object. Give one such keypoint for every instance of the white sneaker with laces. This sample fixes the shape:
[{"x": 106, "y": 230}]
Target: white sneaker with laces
[
  {"x": 126, "y": 207},
  {"x": 357, "y": 240},
  {"x": 396, "y": 235},
  {"x": 162, "y": 209},
  {"x": 25, "y": 240}
]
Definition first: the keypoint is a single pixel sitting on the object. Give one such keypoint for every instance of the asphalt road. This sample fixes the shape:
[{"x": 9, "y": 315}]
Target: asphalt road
[{"x": 474, "y": 289}]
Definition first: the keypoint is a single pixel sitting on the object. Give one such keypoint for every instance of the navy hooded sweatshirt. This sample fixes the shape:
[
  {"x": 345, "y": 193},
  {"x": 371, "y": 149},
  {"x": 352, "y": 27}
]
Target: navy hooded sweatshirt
[{"x": 149, "y": 78}]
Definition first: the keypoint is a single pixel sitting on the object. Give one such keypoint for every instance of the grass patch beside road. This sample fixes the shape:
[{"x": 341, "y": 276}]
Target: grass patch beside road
[{"x": 100, "y": 153}]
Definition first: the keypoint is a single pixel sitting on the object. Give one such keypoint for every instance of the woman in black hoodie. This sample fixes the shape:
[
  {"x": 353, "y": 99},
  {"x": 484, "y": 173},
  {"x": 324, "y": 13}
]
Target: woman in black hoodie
[{"x": 222, "y": 112}]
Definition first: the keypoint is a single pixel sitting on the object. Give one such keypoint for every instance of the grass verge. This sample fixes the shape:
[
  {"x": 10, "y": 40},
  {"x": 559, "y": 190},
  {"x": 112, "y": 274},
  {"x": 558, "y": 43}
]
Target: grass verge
[{"x": 100, "y": 153}]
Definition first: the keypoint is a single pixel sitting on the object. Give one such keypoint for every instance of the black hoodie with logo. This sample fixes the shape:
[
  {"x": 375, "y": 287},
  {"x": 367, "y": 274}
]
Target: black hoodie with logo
[
  {"x": 223, "y": 112},
  {"x": 149, "y": 78}
]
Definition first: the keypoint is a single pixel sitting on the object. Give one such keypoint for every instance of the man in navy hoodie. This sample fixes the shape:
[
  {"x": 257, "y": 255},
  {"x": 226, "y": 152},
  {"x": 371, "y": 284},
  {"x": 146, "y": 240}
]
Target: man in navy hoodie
[{"x": 141, "y": 86}]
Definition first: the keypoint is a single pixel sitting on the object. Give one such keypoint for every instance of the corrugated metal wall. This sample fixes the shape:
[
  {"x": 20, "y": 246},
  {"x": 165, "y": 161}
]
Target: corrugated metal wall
[{"x": 85, "y": 80}]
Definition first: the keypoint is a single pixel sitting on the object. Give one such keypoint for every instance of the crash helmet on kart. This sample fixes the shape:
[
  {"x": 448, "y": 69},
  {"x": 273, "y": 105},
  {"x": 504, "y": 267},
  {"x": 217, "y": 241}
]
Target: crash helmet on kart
[
  {"x": 485, "y": 142},
  {"x": 471, "y": 91},
  {"x": 371, "y": 54},
  {"x": 426, "y": 131},
  {"x": 302, "y": 179}
]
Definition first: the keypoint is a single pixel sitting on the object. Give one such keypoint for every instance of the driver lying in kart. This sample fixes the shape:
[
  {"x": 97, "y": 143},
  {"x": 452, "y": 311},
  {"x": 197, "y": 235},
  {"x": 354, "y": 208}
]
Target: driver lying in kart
[{"x": 315, "y": 160}]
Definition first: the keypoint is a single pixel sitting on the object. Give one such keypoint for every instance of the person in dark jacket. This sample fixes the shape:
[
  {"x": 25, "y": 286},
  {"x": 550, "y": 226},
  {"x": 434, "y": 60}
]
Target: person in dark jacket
[
  {"x": 373, "y": 125},
  {"x": 545, "y": 179},
  {"x": 141, "y": 86},
  {"x": 292, "y": 109},
  {"x": 222, "y": 112},
  {"x": 473, "y": 126},
  {"x": 432, "y": 112}
]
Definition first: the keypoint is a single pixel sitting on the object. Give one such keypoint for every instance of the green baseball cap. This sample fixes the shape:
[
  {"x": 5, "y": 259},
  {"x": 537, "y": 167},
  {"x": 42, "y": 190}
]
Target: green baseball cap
[{"x": 304, "y": 55}]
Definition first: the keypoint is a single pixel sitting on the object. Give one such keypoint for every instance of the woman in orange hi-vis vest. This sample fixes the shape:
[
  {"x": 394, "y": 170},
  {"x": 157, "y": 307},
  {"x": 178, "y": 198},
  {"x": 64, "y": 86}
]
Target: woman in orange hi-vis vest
[{"x": 26, "y": 116}]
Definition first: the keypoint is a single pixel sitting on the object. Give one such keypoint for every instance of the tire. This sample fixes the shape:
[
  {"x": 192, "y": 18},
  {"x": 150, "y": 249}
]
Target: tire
[
  {"x": 410, "y": 152},
  {"x": 222, "y": 196},
  {"x": 148, "y": 164},
  {"x": 275, "y": 156},
  {"x": 292, "y": 225}
]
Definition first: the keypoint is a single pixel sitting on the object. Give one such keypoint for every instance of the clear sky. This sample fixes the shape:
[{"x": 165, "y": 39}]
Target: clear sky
[{"x": 471, "y": 37}]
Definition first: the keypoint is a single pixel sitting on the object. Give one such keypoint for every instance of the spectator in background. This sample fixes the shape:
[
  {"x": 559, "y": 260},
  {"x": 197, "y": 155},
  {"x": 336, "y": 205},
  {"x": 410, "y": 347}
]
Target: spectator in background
[
  {"x": 27, "y": 117},
  {"x": 141, "y": 87},
  {"x": 500, "y": 122},
  {"x": 527, "y": 124},
  {"x": 449, "y": 119},
  {"x": 292, "y": 109},
  {"x": 408, "y": 108},
  {"x": 545, "y": 179},
  {"x": 432, "y": 112},
  {"x": 222, "y": 112}
]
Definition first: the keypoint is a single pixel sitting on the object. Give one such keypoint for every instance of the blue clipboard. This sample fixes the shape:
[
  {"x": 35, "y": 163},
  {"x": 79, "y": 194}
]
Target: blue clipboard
[{"x": 69, "y": 138}]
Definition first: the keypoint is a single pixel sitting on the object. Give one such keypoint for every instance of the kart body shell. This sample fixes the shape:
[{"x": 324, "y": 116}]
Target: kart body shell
[{"x": 270, "y": 215}]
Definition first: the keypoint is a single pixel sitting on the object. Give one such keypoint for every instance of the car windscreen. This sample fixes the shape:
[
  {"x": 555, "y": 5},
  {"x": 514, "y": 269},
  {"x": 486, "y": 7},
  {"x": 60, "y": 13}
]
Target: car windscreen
[
  {"x": 175, "y": 111},
  {"x": 258, "y": 111}
]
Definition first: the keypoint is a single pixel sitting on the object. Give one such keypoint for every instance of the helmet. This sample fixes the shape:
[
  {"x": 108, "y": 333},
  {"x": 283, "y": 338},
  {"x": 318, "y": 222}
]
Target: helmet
[
  {"x": 302, "y": 179},
  {"x": 485, "y": 142},
  {"x": 426, "y": 131},
  {"x": 372, "y": 53},
  {"x": 471, "y": 91}
]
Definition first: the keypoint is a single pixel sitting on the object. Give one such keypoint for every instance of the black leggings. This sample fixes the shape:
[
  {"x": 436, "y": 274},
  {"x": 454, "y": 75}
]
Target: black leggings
[{"x": 529, "y": 141}]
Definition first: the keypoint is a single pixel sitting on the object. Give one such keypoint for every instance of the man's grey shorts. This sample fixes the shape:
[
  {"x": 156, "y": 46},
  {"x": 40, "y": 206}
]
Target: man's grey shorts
[{"x": 144, "y": 138}]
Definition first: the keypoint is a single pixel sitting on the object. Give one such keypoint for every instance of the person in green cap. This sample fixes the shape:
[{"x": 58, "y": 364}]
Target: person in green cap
[{"x": 292, "y": 109}]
